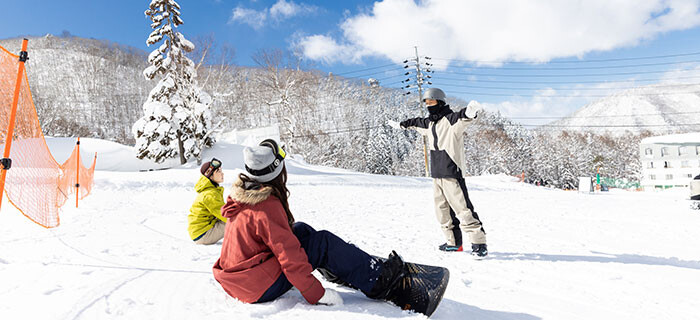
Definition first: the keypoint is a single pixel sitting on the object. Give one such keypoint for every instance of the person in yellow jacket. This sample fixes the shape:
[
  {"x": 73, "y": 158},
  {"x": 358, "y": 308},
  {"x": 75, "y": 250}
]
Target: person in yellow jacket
[{"x": 205, "y": 223}]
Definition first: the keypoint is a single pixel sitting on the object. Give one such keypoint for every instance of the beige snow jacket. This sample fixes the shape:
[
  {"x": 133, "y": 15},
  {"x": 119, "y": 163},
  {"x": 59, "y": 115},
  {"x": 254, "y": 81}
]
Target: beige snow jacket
[{"x": 445, "y": 131}]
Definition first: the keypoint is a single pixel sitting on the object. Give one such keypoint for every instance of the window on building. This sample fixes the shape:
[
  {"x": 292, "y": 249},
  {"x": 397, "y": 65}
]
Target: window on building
[
  {"x": 689, "y": 175},
  {"x": 650, "y": 165},
  {"x": 697, "y": 150},
  {"x": 682, "y": 151},
  {"x": 664, "y": 151},
  {"x": 669, "y": 177},
  {"x": 685, "y": 164},
  {"x": 652, "y": 176},
  {"x": 649, "y": 152},
  {"x": 667, "y": 164}
]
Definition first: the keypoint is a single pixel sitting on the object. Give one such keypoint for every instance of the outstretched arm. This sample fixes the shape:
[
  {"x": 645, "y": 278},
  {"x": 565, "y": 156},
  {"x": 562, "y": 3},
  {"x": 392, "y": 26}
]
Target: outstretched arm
[
  {"x": 419, "y": 124},
  {"x": 462, "y": 118}
]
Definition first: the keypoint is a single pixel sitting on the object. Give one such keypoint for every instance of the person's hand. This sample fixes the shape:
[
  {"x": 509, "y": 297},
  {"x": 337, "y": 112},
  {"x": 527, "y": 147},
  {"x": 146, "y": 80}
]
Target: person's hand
[
  {"x": 393, "y": 124},
  {"x": 331, "y": 298},
  {"x": 472, "y": 109}
]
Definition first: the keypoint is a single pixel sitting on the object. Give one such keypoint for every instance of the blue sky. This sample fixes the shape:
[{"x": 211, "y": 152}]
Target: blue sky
[{"x": 519, "y": 57}]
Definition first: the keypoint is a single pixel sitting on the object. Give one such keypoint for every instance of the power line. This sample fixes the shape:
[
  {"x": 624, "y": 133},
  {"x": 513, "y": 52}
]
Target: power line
[
  {"x": 565, "y": 68},
  {"x": 560, "y": 82},
  {"x": 390, "y": 77},
  {"x": 572, "y": 96},
  {"x": 345, "y": 130},
  {"x": 393, "y": 83},
  {"x": 561, "y": 89},
  {"x": 363, "y": 76},
  {"x": 537, "y": 68},
  {"x": 584, "y": 130},
  {"x": 491, "y": 127},
  {"x": 366, "y": 69},
  {"x": 591, "y": 60},
  {"x": 612, "y": 125},
  {"x": 562, "y": 75},
  {"x": 610, "y": 116}
]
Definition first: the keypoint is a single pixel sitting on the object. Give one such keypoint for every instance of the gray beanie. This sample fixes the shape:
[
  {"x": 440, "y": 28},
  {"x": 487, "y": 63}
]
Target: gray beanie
[{"x": 263, "y": 163}]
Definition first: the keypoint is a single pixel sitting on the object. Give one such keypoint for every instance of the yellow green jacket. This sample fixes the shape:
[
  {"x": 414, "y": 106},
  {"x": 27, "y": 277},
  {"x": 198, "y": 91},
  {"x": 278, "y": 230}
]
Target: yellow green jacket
[{"x": 206, "y": 209}]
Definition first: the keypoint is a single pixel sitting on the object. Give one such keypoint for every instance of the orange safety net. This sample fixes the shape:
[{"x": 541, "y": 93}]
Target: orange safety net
[
  {"x": 35, "y": 184},
  {"x": 75, "y": 173}
]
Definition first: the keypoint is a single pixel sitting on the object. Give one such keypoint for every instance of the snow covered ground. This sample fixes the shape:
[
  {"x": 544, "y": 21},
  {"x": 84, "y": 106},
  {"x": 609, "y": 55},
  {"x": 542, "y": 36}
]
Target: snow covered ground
[{"x": 125, "y": 253}]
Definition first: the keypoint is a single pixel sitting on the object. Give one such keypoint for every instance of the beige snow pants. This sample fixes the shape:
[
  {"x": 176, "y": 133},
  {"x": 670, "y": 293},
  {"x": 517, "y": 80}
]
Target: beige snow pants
[
  {"x": 214, "y": 234},
  {"x": 455, "y": 212}
]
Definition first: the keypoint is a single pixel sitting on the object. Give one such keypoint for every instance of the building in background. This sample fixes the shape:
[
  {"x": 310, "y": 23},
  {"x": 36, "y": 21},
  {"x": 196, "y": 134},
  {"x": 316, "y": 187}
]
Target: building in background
[{"x": 670, "y": 161}]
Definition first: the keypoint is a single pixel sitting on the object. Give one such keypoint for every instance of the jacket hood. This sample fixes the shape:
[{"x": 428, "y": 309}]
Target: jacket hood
[
  {"x": 203, "y": 183},
  {"x": 243, "y": 195}
]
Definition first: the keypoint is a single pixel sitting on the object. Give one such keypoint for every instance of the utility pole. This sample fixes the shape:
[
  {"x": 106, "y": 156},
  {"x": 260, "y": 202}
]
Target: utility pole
[{"x": 420, "y": 80}]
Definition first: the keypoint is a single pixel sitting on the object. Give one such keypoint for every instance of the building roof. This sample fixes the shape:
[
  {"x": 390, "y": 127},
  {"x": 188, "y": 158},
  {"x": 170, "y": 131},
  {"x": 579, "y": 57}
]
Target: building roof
[{"x": 693, "y": 137}]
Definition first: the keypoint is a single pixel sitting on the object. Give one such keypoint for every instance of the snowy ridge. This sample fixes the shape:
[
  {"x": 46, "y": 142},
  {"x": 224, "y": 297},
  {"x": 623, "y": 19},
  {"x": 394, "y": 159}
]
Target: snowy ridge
[
  {"x": 693, "y": 137},
  {"x": 657, "y": 108},
  {"x": 125, "y": 253}
]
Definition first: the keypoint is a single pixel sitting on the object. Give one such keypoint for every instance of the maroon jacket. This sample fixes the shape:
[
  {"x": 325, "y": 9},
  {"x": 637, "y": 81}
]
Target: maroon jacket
[{"x": 258, "y": 246}]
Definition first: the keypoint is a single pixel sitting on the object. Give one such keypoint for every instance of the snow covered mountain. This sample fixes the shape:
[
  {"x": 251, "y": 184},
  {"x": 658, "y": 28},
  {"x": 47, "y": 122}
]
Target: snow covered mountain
[
  {"x": 85, "y": 87},
  {"x": 656, "y": 108}
]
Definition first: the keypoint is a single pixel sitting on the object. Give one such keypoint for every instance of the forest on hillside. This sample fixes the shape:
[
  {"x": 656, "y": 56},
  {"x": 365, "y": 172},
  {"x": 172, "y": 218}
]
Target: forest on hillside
[{"x": 93, "y": 88}]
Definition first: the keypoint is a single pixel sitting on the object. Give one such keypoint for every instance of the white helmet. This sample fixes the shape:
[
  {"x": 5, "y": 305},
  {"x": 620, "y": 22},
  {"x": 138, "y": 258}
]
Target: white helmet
[{"x": 434, "y": 93}]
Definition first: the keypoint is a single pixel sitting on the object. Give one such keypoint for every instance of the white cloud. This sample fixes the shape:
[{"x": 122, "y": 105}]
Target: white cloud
[
  {"x": 284, "y": 10},
  {"x": 688, "y": 74},
  {"x": 253, "y": 18},
  {"x": 326, "y": 49},
  {"x": 507, "y": 30},
  {"x": 279, "y": 11}
]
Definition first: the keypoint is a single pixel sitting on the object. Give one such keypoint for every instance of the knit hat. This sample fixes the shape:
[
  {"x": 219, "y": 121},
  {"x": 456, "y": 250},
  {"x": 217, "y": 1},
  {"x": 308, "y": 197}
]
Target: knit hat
[
  {"x": 264, "y": 162},
  {"x": 208, "y": 168}
]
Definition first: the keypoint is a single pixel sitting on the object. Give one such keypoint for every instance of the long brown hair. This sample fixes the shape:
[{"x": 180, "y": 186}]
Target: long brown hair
[{"x": 279, "y": 190}]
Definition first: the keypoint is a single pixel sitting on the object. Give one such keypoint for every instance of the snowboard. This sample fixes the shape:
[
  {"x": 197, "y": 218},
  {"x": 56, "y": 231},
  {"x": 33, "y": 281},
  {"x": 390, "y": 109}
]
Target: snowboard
[{"x": 421, "y": 289}]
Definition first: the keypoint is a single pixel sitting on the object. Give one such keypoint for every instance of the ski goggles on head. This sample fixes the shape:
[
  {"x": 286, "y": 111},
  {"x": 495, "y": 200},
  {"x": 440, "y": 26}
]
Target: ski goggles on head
[
  {"x": 279, "y": 154},
  {"x": 277, "y": 150},
  {"x": 214, "y": 164}
]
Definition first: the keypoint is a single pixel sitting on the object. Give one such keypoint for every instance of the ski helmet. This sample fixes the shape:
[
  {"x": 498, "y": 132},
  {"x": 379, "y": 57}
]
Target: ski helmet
[{"x": 434, "y": 93}]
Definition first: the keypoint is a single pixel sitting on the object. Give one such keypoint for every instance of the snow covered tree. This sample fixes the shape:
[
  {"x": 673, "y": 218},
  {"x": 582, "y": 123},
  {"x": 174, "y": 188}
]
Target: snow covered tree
[{"x": 176, "y": 113}]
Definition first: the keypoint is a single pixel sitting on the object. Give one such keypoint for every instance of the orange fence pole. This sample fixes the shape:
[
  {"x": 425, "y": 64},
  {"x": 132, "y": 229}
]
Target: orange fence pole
[
  {"x": 11, "y": 127},
  {"x": 77, "y": 175}
]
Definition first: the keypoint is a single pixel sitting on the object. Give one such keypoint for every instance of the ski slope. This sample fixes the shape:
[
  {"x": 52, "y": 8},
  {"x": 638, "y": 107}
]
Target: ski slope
[{"x": 125, "y": 253}]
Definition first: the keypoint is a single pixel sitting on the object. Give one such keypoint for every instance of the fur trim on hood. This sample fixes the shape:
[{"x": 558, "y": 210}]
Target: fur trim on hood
[{"x": 249, "y": 193}]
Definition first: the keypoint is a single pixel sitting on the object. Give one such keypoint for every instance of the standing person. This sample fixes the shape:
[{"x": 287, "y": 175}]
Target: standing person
[
  {"x": 445, "y": 131},
  {"x": 265, "y": 252},
  {"x": 205, "y": 223}
]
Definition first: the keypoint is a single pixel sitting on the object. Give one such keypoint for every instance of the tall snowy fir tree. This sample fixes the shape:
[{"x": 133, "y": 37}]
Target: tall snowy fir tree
[{"x": 176, "y": 114}]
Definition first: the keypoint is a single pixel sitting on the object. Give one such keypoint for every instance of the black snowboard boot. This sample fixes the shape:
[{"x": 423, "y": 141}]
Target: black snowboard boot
[
  {"x": 393, "y": 270},
  {"x": 449, "y": 248},
  {"x": 479, "y": 251}
]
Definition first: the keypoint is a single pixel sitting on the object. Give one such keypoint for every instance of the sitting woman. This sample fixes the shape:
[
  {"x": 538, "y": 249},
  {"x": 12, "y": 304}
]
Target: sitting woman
[
  {"x": 205, "y": 223},
  {"x": 265, "y": 252}
]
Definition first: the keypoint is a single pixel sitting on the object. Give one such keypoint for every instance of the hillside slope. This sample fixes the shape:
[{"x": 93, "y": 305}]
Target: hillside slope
[
  {"x": 125, "y": 253},
  {"x": 657, "y": 108}
]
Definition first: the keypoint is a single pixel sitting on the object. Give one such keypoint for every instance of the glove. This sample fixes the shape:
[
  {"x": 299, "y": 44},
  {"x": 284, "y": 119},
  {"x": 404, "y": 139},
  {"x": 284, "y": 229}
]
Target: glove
[
  {"x": 472, "y": 109},
  {"x": 331, "y": 298},
  {"x": 393, "y": 124}
]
